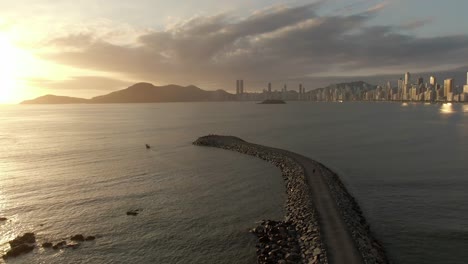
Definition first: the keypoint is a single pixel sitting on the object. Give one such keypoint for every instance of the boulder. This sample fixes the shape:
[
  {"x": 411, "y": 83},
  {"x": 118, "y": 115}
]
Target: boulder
[
  {"x": 90, "y": 238},
  {"x": 3, "y": 219},
  {"x": 47, "y": 245},
  {"x": 27, "y": 238},
  {"x": 59, "y": 245},
  {"x": 317, "y": 251},
  {"x": 134, "y": 213},
  {"x": 78, "y": 237},
  {"x": 18, "y": 250},
  {"x": 293, "y": 257}
]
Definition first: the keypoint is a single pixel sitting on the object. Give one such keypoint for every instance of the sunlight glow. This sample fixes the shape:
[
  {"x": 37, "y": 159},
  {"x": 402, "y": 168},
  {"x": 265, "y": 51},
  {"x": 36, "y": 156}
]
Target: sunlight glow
[{"x": 8, "y": 67}]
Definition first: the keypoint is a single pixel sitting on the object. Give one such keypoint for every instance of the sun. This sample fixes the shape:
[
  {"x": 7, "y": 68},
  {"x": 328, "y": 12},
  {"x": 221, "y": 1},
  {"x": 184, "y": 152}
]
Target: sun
[{"x": 9, "y": 56}]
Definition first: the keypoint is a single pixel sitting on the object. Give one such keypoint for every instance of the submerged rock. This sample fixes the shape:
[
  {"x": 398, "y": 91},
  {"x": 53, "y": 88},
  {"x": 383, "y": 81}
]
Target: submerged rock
[
  {"x": 18, "y": 250},
  {"x": 60, "y": 245},
  {"x": 27, "y": 238},
  {"x": 3, "y": 219},
  {"x": 134, "y": 213},
  {"x": 90, "y": 238},
  {"x": 47, "y": 245},
  {"x": 78, "y": 237}
]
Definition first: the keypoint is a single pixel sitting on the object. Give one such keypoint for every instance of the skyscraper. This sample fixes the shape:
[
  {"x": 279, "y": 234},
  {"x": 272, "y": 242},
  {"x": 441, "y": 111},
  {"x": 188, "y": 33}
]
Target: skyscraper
[
  {"x": 269, "y": 87},
  {"x": 241, "y": 86},
  {"x": 465, "y": 87},
  {"x": 432, "y": 80},
  {"x": 237, "y": 86},
  {"x": 407, "y": 78},
  {"x": 448, "y": 87}
]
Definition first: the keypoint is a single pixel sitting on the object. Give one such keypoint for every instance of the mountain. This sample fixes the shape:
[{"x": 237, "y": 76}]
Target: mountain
[
  {"x": 143, "y": 93},
  {"x": 349, "y": 86},
  {"x": 148, "y": 93},
  {"x": 54, "y": 99}
]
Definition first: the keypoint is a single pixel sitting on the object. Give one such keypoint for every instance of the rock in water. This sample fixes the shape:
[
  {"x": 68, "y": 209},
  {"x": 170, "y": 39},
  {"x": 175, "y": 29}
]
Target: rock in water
[
  {"x": 59, "y": 245},
  {"x": 78, "y": 237},
  {"x": 47, "y": 245},
  {"x": 18, "y": 250},
  {"x": 28, "y": 238}
]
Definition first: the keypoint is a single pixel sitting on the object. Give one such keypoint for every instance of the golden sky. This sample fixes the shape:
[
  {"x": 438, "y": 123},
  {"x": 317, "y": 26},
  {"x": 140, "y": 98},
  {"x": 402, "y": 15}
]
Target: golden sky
[{"x": 92, "y": 47}]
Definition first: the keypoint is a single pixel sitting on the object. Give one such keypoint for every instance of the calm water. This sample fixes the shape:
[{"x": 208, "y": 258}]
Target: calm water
[{"x": 78, "y": 169}]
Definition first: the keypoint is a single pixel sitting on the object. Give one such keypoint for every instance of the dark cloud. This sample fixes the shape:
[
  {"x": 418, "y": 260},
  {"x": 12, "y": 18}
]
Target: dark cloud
[
  {"x": 276, "y": 44},
  {"x": 417, "y": 23},
  {"x": 89, "y": 83}
]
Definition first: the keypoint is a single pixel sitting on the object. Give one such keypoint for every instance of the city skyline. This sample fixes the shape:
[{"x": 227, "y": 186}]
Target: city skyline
[
  {"x": 408, "y": 88},
  {"x": 90, "y": 47}
]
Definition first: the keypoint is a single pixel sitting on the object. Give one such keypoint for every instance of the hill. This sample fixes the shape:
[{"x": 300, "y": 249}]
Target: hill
[
  {"x": 54, "y": 99},
  {"x": 143, "y": 93}
]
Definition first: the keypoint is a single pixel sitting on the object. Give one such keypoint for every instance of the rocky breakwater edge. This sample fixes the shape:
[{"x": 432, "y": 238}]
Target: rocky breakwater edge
[{"x": 297, "y": 238}]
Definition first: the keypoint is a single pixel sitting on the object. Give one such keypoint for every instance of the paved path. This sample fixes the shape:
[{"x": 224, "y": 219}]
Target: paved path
[
  {"x": 341, "y": 248},
  {"x": 340, "y": 245}
]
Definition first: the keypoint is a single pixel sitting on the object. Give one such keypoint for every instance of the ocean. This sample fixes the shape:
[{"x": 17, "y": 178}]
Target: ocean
[{"x": 77, "y": 169}]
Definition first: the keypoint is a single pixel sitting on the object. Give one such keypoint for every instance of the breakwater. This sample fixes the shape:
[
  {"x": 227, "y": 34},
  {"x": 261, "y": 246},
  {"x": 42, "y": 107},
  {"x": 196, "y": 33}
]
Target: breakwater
[{"x": 323, "y": 223}]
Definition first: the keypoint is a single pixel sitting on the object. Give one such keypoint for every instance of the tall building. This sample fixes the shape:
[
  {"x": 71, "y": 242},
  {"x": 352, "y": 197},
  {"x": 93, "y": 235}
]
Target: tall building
[
  {"x": 239, "y": 86},
  {"x": 448, "y": 87},
  {"x": 432, "y": 80},
  {"x": 407, "y": 78},
  {"x": 465, "y": 87},
  {"x": 400, "y": 84},
  {"x": 269, "y": 87}
]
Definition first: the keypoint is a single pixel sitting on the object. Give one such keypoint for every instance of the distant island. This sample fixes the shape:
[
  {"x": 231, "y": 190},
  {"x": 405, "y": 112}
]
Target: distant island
[
  {"x": 272, "y": 101},
  {"x": 142, "y": 93}
]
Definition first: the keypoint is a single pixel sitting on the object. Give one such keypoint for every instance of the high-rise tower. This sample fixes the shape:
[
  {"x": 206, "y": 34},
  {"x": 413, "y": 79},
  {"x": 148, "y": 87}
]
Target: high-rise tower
[
  {"x": 448, "y": 87},
  {"x": 465, "y": 87},
  {"x": 407, "y": 78}
]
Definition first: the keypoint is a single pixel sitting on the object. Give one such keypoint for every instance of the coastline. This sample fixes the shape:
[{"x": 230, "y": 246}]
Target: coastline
[{"x": 328, "y": 224}]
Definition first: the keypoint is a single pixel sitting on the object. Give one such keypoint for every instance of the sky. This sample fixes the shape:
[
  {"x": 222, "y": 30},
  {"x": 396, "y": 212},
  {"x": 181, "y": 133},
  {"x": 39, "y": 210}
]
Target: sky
[{"x": 91, "y": 47}]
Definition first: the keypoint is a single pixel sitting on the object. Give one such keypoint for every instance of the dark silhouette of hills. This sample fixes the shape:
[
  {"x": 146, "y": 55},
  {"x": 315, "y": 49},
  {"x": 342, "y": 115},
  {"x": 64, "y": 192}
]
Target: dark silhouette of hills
[
  {"x": 54, "y": 99},
  {"x": 143, "y": 93}
]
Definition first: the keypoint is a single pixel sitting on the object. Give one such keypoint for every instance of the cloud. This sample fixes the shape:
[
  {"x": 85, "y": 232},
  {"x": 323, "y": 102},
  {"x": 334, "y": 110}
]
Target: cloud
[
  {"x": 274, "y": 44},
  {"x": 414, "y": 24}
]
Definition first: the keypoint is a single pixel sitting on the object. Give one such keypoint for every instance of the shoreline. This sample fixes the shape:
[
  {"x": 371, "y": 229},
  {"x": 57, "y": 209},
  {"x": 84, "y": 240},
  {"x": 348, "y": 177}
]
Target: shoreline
[{"x": 328, "y": 224}]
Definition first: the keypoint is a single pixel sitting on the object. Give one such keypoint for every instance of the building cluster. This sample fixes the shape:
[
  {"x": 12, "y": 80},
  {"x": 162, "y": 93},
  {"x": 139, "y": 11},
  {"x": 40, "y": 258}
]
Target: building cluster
[{"x": 406, "y": 90}]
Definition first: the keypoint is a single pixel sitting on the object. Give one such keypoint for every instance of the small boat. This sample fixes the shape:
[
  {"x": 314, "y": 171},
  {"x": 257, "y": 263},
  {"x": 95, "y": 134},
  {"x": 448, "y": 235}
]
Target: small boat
[{"x": 148, "y": 146}]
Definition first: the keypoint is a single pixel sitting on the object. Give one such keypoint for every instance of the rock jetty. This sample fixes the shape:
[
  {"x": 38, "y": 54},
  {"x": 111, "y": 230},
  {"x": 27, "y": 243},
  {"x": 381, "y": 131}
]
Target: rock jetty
[{"x": 323, "y": 222}]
